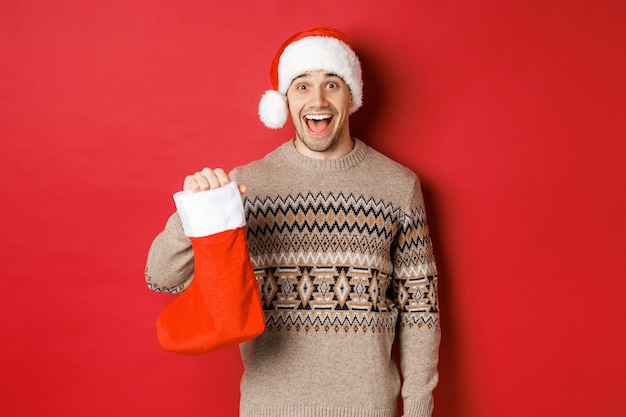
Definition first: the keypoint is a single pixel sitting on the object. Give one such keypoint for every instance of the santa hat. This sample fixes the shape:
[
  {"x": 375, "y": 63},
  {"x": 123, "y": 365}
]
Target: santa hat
[{"x": 318, "y": 49}]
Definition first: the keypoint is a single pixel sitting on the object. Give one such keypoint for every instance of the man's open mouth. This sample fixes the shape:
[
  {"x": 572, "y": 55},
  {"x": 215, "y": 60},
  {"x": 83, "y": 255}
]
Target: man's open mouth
[{"x": 318, "y": 123}]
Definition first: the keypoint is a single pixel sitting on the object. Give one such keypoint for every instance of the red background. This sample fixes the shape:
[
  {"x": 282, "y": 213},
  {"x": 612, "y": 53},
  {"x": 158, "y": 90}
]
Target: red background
[{"x": 512, "y": 113}]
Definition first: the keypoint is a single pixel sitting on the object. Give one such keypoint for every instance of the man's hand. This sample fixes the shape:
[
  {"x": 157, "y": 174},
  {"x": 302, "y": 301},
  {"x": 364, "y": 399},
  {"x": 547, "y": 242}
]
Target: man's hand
[{"x": 208, "y": 179}]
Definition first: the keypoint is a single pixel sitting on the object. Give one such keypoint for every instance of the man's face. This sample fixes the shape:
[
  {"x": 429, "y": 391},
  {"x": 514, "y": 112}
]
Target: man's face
[{"x": 319, "y": 105}]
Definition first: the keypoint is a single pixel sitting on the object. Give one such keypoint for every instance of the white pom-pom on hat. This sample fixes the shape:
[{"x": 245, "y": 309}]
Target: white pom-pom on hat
[
  {"x": 318, "y": 49},
  {"x": 273, "y": 109}
]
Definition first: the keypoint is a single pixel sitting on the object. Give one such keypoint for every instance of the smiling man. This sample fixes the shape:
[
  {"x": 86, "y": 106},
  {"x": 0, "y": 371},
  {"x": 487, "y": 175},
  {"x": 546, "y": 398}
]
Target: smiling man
[
  {"x": 319, "y": 105},
  {"x": 339, "y": 243}
]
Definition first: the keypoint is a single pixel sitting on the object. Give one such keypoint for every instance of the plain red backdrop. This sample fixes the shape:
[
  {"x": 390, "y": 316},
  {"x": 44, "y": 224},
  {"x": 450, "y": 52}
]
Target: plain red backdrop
[{"x": 512, "y": 113}]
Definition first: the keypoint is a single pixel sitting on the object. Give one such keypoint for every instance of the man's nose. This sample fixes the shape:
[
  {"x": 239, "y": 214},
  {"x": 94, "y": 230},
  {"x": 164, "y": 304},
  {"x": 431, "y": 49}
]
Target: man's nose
[{"x": 318, "y": 98}]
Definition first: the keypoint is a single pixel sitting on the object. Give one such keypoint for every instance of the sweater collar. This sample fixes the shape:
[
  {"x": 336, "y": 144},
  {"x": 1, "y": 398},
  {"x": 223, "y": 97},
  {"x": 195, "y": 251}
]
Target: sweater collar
[{"x": 353, "y": 158}]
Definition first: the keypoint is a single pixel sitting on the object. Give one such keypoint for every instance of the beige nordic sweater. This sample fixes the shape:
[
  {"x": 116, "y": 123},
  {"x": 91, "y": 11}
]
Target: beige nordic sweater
[{"x": 344, "y": 262}]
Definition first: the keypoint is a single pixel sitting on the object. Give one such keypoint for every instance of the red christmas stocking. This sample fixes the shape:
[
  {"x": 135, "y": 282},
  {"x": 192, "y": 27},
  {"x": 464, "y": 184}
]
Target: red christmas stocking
[{"x": 222, "y": 305}]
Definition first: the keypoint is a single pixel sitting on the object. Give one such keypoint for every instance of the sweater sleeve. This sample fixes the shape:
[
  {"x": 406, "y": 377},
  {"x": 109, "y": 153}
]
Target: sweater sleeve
[
  {"x": 169, "y": 267},
  {"x": 415, "y": 285}
]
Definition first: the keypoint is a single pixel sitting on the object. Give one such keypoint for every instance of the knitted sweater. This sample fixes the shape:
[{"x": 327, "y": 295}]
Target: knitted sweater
[{"x": 344, "y": 262}]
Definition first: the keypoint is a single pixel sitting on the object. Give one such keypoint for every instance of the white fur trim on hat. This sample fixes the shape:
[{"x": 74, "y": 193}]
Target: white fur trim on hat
[{"x": 320, "y": 53}]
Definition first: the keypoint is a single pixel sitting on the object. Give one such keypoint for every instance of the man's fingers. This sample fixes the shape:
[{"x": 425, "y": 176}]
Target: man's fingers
[
  {"x": 221, "y": 176},
  {"x": 191, "y": 183},
  {"x": 209, "y": 179},
  {"x": 206, "y": 179}
]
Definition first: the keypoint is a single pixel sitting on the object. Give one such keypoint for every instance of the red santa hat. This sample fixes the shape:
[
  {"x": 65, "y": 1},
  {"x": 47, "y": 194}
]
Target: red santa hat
[{"x": 318, "y": 49}]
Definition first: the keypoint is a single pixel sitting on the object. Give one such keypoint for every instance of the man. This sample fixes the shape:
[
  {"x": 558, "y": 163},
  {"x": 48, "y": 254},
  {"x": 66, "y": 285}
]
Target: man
[{"x": 338, "y": 239}]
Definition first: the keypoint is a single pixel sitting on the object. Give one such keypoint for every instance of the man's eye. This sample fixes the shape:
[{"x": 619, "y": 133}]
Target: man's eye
[
  {"x": 331, "y": 85},
  {"x": 301, "y": 87}
]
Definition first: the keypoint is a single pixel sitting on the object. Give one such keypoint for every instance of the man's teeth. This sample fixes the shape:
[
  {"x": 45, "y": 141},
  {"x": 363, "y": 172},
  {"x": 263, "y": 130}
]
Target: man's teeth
[{"x": 317, "y": 116}]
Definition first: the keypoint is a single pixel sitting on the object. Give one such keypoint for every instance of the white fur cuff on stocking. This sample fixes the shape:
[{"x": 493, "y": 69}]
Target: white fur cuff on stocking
[{"x": 212, "y": 211}]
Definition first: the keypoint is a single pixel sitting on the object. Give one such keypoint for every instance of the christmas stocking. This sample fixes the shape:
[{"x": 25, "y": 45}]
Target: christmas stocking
[{"x": 222, "y": 305}]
